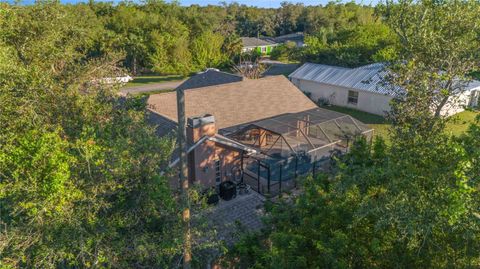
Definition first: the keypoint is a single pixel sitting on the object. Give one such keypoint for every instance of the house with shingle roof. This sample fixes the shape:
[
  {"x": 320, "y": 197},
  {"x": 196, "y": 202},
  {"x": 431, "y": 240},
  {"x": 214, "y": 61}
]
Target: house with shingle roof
[
  {"x": 262, "y": 46},
  {"x": 257, "y": 135},
  {"x": 234, "y": 127},
  {"x": 236, "y": 103},
  {"x": 363, "y": 88}
]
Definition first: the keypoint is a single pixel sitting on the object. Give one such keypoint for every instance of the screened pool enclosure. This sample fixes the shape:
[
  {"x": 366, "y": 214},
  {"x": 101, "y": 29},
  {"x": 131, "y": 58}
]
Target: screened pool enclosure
[{"x": 293, "y": 144}]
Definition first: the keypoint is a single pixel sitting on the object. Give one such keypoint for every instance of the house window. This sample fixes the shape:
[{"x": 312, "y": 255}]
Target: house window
[
  {"x": 353, "y": 97},
  {"x": 218, "y": 174}
]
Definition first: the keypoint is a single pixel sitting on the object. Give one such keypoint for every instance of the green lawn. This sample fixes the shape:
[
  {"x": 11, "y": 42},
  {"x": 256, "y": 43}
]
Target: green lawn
[
  {"x": 149, "y": 79},
  {"x": 374, "y": 121},
  {"x": 457, "y": 124}
]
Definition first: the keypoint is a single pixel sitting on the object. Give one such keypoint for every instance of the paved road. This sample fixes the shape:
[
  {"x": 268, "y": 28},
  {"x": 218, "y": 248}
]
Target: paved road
[{"x": 168, "y": 85}]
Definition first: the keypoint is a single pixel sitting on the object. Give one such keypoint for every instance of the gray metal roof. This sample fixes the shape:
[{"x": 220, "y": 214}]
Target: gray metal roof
[
  {"x": 473, "y": 85},
  {"x": 365, "y": 78}
]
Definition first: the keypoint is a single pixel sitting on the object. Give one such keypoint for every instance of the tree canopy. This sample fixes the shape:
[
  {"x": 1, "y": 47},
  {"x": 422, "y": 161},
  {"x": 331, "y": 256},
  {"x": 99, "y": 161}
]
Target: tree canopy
[
  {"x": 167, "y": 38},
  {"x": 79, "y": 166},
  {"x": 81, "y": 182},
  {"x": 413, "y": 203}
]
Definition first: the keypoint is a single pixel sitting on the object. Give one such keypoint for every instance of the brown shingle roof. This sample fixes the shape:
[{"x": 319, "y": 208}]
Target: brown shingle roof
[{"x": 236, "y": 103}]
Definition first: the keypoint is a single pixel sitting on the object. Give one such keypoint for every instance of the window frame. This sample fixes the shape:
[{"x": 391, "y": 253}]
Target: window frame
[{"x": 352, "y": 97}]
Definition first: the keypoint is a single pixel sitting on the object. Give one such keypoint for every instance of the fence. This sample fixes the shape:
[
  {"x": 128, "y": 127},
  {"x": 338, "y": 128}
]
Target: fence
[{"x": 271, "y": 177}]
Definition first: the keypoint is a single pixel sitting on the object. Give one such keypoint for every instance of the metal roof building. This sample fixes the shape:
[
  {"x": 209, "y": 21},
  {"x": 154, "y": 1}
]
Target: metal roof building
[
  {"x": 364, "y": 88},
  {"x": 364, "y": 78}
]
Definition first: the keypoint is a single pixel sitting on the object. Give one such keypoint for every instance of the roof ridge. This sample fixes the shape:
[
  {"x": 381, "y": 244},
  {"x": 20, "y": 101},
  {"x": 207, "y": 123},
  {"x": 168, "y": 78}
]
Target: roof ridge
[
  {"x": 238, "y": 102},
  {"x": 332, "y": 66},
  {"x": 245, "y": 79},
  {"x": 219, "y": 71}
]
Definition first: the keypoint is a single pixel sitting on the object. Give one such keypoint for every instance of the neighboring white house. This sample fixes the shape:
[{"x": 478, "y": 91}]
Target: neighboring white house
[{"x": 363, "y": 88}]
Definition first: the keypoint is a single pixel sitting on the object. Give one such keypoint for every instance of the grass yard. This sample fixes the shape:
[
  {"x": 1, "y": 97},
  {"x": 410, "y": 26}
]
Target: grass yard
[
  {"x": 374, "y": 121},
  {"x": 150, "y": 79},
  {"x": 457, "y": 124}
]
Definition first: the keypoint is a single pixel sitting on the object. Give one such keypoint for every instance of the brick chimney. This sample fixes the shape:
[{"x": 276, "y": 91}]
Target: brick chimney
[
  {"x": 200, "y": 160},
  {"x": 197, "y": 127}
]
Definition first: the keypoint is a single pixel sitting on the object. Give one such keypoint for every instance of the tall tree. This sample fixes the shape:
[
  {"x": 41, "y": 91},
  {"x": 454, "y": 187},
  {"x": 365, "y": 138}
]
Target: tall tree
[
  {"x": 352, "y": 47},
  {"x": 287, "y": 18},
  {"x": 410, "y": 205},
  {"x": 207, "y": 50},
  {"x": 438, "y": 39},
  {"x": 79, "y": 167}
]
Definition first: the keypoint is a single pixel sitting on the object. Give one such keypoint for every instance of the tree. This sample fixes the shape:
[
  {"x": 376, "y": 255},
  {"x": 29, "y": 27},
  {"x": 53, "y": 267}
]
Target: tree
[
  {"x": 411, "y": 204},
  {"x": 440, "y": 39},
  {"x": 409, "y": 207},
  {"x": 171, "y": 52},
  {"x": 284, "y": 52},
  {"x": 79, "y": 166},
  {"x": 130, "y": 27},
  {"x": 232, "y": 46},
  {"x": 287, "y": 18},
  {"x": 352, "y": 47},
  {"x": 207, "y": 50}
]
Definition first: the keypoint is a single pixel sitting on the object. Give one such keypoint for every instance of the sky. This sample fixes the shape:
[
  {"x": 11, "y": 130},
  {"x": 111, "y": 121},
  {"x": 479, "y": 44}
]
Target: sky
[{"x": 258, "y": 3}]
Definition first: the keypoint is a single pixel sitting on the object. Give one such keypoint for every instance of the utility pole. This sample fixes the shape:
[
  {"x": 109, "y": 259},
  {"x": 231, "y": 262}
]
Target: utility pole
[{"x": 185, "y": 200}]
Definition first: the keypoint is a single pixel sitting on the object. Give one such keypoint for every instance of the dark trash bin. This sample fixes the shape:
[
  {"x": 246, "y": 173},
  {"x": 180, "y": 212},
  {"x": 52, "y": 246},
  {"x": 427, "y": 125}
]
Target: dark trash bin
[{"x": 228, "y": 190}]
